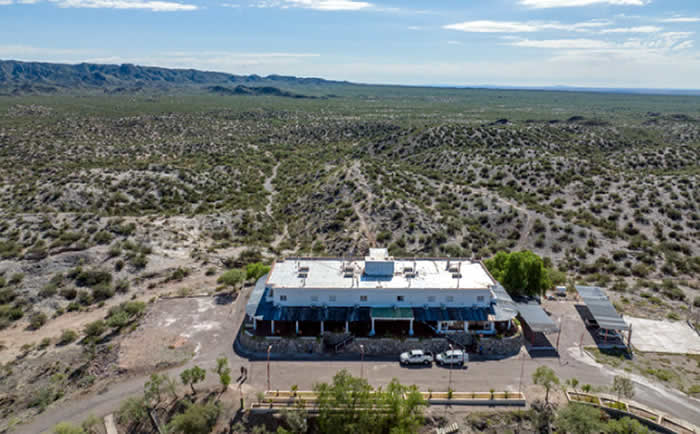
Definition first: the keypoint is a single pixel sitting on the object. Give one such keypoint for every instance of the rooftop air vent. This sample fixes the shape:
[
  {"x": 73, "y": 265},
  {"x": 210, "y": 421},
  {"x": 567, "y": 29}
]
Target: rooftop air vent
[
  {"x": 454, "y": 268},
  {"x": 456, "y": 275},
  {"x": 303, "y": 275},
  {"x": 304, "y": 269}
]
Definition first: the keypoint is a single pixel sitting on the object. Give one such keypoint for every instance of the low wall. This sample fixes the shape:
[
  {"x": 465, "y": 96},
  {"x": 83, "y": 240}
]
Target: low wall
[
  {"x": 500, "y": 348},
  {"x": 298, "y": 345},
  {"x": 391, "y": 346}
]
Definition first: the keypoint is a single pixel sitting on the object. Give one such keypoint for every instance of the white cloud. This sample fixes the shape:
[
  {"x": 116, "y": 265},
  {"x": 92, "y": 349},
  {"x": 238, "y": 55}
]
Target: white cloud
[
  {"x": 454, "y": 43},
  {"x": 5, "y": 2},
  {"x": 486, "y": 26},
  {"x": 542, "y": 4},
  {"x": 230, "y": 5},
  {"x": 681, "y": 20},
  {"x": 415, "y": 28},
  {"x": 578, "y": 44},
  {"x": 640, "y": 29},
  {"x": 153, "y": 5},
  {"x": 319, "y": 5}
]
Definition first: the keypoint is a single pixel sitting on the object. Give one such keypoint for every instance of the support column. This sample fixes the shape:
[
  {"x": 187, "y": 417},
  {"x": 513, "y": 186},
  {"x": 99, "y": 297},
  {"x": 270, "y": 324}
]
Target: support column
[
  {"x": 255, "y": 324},
  {"x": 466, "y": 326},
  {"x": 322, "y": 327},
  {"x": 439, "y": 327},
  {"x": 371, "y": 332},
  {"x": 410, "y": 329},
  {"x": 510, "y": 323},
  {"x": 296, "y": 327},
  {"x": 272, "y": 326},
  {"x": 492, "y": 326},
  {"x": 347, "y": 326}
]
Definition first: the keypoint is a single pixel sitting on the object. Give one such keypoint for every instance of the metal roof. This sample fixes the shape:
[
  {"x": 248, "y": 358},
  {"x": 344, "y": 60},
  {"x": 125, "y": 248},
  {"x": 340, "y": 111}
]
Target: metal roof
[
  {"x": 268, "y": 311},
  {"x": 536, "y": 318},
  {"x": 452, "y": 313},
  {"x": 252, "y": 306},
  {"x": 601, "y": 308}
]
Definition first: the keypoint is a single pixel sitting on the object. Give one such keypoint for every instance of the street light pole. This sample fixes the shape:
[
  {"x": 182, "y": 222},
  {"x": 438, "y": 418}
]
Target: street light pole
[
  {"x": 269, "y": 348},
  {"x": 449, "y": 385},
  {"x": 362, "y": 361}
]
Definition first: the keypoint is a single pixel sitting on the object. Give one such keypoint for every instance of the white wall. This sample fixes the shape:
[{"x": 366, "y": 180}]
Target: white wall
[{"x": 382, "y": 297}]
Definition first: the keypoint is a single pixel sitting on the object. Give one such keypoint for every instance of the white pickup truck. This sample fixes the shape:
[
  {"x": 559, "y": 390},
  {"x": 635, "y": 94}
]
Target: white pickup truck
[
  {"x": 416, "y": 357},
  {"x": 452, "y": 358}
]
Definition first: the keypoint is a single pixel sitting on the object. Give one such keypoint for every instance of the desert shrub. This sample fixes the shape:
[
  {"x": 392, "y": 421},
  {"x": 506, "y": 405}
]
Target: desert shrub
[
  {"x": 139, "y": 261},
  {"x": 93, "y": 278},
  {"x": 67, "y": 336},
  {"x": 69, "y": 293},
  {"x": 16, "y": 279},
  {"x": 122, "y": 286},
  {"x": 102, "y": 237},
  {"x": 67, "y": 428},
  {"x": 102, "y": 292},
  {"x": 696, "y": 301},
  {"x": 37, "y": 320},
  {"x": 95, "y": 329},
  {"x": 231, "y": 277}
]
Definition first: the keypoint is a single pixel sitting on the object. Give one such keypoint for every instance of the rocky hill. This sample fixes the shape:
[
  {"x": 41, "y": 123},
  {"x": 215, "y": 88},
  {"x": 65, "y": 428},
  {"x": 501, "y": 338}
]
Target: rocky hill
[{"x": 17, "y": 78}]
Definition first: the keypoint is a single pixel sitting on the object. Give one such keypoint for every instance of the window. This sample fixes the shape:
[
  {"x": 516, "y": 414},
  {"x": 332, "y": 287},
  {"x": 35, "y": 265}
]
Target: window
[
  {"x": 431, "y": 298},
  {"x": 314, "y": 298},
  {"x": 363, "y": 298},
  {"x": 331, "y": 298},
  {"x": 283, "y": 298},
  {"x": 399, "y": 298},
  {"x": 450, "y": 298},
  {"x": 480, "y": 298}
]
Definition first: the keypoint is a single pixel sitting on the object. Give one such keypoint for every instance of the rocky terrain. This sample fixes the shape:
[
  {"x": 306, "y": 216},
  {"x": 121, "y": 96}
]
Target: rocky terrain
[{"x": 105, "y": 200}]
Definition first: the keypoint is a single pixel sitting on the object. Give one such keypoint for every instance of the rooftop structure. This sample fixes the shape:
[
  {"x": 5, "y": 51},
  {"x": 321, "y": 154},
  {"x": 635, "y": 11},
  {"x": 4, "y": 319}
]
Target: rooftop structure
[{"x": 378, "y": 270}]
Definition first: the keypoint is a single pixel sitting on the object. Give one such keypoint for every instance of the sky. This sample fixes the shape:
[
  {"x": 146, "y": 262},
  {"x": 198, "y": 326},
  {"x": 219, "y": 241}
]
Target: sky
[{"x": 591, "y": 43}]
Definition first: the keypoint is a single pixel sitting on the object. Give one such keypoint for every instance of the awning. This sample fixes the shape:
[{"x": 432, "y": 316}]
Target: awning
[
  {"x": 453, "y": 314},
  {"x": 601, "y": 308},
  {"x": 536, "y": 318},
  {"x": 391, "y": 313},
  {"x": 269, "y": 312}
]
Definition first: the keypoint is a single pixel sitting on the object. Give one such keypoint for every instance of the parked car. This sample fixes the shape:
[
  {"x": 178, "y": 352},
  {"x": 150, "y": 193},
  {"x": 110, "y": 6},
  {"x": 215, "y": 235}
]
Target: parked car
[
  {"x": 452, "y": 358},
  {"x": 416, "y": 357}
]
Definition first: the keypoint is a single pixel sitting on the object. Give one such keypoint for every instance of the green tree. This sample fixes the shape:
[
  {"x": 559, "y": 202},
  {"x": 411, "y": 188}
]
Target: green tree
[
  {"x": 196, "y": 419},
  {"x": 343, "y": 407},
  {"x": 626, "y": 425},
  {"x": 132, "y": 411},
  {"x": 67, "y": 428},
  {"x": 405, "y": 408},
  {"x": 623, "y": 386},
  {"x": 573, "y": 382},
  {"x": 155, "y": 387},
  {"x": 545, "y": 377},
  {"x": 579, "y": 419},
  {"x": 224, "y": 372},
  {"x": 256, "y": 270},
  {"x": 231, "y": 278},
  {"x": 192, "y": 376},
  {"x": 521, "y": 273}
]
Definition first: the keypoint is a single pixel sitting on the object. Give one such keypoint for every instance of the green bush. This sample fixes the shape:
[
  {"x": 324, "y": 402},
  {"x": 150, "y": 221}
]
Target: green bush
[
  {"x": 95, "y": 329},
  {"x": 37, "y": 320},
  {"x": 231, "y": 277},
  {"x": 67, "y": 337}
]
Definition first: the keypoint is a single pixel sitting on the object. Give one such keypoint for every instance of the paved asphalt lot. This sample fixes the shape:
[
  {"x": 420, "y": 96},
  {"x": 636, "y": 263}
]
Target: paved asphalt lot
[{"x": 477, "y": 376}]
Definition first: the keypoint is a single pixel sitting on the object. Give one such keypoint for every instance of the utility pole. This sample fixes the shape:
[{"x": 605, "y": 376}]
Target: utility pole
[
  {"x": 449, "y": 384},
  {"x": 362, "y": 361},
  {"x": 269, "y": 348}
]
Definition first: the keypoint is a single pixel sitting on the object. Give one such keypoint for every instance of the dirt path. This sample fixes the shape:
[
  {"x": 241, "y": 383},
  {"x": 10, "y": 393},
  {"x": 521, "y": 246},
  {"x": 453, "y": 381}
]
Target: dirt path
[
  {"x": 364, "y": 227},
  {"x": 529, "y": 221},
  {"x": 267, "y": 185}
]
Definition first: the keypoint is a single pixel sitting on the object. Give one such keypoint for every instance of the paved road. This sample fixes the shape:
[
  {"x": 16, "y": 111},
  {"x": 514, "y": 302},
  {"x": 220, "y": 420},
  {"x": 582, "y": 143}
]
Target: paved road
[{"x": 479, "y": 375}]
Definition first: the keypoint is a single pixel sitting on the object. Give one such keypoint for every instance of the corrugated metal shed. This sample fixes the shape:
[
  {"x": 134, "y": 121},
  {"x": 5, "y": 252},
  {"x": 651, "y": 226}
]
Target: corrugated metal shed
[{"x": 601, "y": 308}]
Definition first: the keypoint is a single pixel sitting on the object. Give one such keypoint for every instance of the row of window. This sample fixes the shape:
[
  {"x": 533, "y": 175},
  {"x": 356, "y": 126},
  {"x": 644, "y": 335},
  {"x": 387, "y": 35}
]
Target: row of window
[{"x": 399, "y": 298}]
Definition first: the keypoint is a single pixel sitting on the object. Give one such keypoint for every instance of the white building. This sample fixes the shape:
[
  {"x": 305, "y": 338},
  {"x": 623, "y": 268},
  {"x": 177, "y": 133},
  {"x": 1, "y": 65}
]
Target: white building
[{"x": 441, "y": 294}]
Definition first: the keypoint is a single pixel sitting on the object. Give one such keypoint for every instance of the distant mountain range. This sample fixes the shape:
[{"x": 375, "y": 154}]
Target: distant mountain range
[
  {"x": 18, "y": 78},
  {"x": 22, "y": 78}
]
